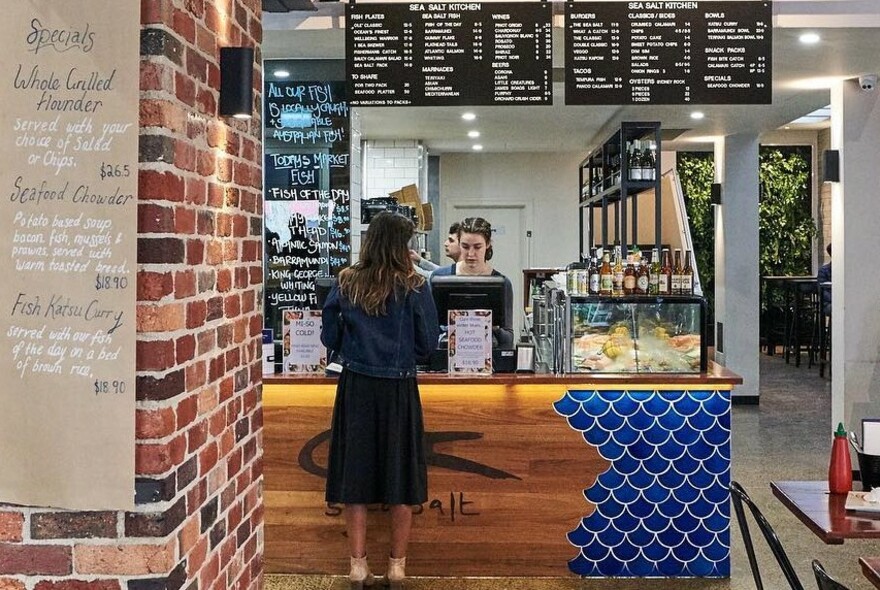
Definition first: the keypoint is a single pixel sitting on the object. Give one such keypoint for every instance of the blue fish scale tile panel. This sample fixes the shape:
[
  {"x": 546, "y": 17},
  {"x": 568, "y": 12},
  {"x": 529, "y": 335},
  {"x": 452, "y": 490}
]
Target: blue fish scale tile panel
[{"x": 663, "y": 508}]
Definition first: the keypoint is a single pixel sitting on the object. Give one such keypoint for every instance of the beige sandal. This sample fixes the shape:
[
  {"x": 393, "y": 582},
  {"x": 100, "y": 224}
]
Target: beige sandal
[
  {"x": 396, "y": 573},
  {"x": 360, "y": 575}
]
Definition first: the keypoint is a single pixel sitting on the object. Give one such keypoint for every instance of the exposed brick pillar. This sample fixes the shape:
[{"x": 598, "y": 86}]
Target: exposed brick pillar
[{"x": 199, "y": 517}]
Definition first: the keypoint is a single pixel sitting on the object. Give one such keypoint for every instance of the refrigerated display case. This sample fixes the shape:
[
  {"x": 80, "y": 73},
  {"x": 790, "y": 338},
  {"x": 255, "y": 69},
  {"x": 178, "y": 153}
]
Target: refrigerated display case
[{"x": 635, "y": 334}]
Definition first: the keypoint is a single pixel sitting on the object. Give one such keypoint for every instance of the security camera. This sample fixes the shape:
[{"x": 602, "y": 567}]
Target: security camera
[{"x": 868, "y": 82}]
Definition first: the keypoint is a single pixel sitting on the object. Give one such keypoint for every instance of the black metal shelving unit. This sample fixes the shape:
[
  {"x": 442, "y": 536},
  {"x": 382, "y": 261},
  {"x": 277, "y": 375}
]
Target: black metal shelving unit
[{"x": 604, "y": 181}]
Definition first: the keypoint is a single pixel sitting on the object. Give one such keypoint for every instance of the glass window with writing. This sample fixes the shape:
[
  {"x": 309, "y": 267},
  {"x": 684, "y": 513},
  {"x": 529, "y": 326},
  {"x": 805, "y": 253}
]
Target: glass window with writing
[{"x": 307, "y": 208}]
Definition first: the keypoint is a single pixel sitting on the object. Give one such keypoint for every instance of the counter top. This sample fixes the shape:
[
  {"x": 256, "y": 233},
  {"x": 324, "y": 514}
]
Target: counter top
[{"x": 716, "y": 375}]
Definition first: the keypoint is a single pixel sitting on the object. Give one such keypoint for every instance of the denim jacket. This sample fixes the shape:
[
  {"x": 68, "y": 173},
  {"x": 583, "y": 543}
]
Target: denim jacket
[{"x": 384, "y": 345}]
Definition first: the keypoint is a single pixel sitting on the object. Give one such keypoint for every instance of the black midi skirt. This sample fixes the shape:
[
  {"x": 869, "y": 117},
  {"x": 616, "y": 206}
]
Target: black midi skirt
[{"x": 376, "y": 448}]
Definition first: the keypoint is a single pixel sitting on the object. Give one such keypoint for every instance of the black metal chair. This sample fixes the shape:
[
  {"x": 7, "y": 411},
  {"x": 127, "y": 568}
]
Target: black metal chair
[
  {"x": 825, "y": 581},
  {"x": 739, "y": 497}
]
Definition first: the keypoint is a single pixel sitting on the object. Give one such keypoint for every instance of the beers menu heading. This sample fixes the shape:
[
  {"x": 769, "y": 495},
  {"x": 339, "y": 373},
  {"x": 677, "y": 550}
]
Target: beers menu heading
[{"x": 449, "y": 54}]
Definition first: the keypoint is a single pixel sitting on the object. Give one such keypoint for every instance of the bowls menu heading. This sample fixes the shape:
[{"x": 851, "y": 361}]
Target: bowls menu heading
[
  {"x": 449, "y": 54},
  {"x": 682, "y": 52}
]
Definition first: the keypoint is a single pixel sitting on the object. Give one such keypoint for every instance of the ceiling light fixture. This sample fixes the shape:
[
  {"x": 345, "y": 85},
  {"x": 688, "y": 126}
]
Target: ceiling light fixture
[
  {"x": 469, "y": 116},
  {"x": 473, "y": 134},
  {"x": 697, "y": 115},
  {"x": 476, "y": 147},
  {"x": 282, "y": 73},
  {"x": 809, "y": 38}
]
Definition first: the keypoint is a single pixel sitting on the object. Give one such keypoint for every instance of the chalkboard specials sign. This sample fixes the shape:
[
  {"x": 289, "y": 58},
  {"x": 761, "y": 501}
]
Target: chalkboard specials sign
[
  {"x": 307, "y": 208},
  {"x": 449, "y": 54},
  {"x": 668, "y": 52},
  {"x": 68, "y": 228}
]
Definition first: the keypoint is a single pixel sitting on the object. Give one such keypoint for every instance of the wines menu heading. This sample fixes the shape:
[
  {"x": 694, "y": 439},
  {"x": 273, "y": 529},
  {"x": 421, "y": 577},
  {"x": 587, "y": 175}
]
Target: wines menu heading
[
  {"x": 68, "y": 169},
  {"x": 435, "y": 54},
  {"x": 668, "y": 52}
]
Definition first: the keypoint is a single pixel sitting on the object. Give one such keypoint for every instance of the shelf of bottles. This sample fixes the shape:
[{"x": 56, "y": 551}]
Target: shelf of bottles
[
  {"x": 612, "y": 274},
  {"x": 625, "y": 165}
]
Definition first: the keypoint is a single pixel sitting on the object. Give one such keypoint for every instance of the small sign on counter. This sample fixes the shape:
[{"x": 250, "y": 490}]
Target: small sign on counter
[
  {"x": 470, "y": 342},
  {"x": 303, "y": 350}
]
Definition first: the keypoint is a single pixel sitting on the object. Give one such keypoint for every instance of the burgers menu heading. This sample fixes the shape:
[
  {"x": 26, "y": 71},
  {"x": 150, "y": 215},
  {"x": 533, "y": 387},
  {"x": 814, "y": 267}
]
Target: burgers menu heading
[
  {"x": 449, "y": 54},
  {"x": 668, "y": 52}
]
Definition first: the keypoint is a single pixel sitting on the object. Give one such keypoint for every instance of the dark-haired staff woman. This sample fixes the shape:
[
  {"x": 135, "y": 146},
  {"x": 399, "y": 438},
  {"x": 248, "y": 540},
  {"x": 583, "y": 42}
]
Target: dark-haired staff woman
[
  {"x": 475, "y": 244},
  {"x": 380, "y": 318}
]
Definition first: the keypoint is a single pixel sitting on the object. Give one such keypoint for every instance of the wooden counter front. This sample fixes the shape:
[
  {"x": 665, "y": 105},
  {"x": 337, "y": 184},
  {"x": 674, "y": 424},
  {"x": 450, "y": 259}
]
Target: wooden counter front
[{"x": 506, "y": 473}]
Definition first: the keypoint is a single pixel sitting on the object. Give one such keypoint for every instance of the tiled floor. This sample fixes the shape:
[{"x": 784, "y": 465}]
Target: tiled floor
[{"x": 786, "y": 437}]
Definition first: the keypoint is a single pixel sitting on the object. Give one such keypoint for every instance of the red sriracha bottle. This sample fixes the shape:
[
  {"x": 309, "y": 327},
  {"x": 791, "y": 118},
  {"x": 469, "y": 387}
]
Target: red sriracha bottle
[{"x": 840, "y": 468}]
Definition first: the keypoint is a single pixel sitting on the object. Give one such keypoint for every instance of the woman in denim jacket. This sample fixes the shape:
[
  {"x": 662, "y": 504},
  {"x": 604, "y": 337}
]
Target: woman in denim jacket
[{"x": 380, "y": 319}]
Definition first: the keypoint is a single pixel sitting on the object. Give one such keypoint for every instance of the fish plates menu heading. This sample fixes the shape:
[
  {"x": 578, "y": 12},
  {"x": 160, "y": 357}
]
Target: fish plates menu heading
[
  {"x": 668, "y": 52},
  {"x": 452, "y": 54}
]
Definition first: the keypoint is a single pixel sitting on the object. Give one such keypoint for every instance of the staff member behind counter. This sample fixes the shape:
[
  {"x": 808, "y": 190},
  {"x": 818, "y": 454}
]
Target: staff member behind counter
[{"x": 475, "y": 243}]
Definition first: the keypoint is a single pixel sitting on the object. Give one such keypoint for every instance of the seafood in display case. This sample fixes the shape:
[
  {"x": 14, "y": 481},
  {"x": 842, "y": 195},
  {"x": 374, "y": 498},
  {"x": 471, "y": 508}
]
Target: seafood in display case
[{"x": 636, "y": 334}]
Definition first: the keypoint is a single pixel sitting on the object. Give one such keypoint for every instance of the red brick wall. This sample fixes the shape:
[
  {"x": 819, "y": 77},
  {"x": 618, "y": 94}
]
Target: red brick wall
[{"x": 199, "y": 517}]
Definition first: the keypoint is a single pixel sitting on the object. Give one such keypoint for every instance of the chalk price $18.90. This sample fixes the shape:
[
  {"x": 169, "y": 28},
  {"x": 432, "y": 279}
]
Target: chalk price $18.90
[{"x": 109, "y": 386}]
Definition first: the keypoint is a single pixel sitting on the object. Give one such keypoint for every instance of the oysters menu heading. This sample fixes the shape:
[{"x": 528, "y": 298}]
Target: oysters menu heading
[
  {"x": 455, "y": 53},
  {"x": 68, "y": 229},
  {"x": 668, "y": 52}
]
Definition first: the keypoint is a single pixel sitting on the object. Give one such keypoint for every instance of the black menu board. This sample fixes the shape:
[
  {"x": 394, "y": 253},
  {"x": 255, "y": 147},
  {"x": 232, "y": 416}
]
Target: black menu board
[
  {"x": 449, "y": 54},
  {"x": 307, "y": 206},
  {"x": 668, "y": 52}
]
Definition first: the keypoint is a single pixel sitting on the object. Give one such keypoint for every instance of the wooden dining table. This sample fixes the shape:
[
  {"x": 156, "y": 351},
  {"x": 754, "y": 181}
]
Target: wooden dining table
[
  {"x": 824, "y": 513},
  {"x": 871, "y": 569}
]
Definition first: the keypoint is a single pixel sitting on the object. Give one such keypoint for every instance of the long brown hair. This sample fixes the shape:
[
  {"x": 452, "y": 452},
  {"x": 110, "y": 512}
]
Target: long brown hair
[{"x": 384, "y": 267}]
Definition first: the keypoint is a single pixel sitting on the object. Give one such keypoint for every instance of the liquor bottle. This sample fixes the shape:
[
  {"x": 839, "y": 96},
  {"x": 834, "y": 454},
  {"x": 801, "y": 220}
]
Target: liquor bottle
[
  {"x": 605, "y": 276},
  {"x": 629, "y": 278},
  {"x": 676, "y": 274},
  {"x": 687, "y": 275},
  {"x": 595, "y": 276},
  {"x": 840, "y": 466},
  {"x": 617, "y": 275},
  {"x": 633, "y": 165},
  {"x": 571, "y": 278},
  {"x": 649, "y": 162},
  {"x": 665, "y": 282},
  {"x": 642, "y": 278},
  {"x": 654, "y": 273}
]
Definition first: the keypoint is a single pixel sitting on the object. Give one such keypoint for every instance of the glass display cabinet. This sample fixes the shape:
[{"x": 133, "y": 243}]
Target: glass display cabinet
[{"x": 635, "y": 335}]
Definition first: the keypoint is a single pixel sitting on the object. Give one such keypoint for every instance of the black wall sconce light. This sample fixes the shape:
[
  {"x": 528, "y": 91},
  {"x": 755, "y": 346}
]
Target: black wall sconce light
[
  {"x": 831, "y": 166},
  {"x": 715, "y": 194},
  {"x": 236, "y": 82}
]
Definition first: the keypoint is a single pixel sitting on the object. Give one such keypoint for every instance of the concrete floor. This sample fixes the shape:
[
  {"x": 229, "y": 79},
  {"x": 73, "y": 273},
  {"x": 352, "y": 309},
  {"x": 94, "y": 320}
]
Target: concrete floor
[{"x": 786, "y": 437}]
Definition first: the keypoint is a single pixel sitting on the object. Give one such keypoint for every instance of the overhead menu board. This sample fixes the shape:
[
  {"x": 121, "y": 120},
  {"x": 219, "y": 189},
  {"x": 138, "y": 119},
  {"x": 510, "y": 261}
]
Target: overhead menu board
[
  {"x": 449, "y": 54},
  {"x": 668, "y": 52}
]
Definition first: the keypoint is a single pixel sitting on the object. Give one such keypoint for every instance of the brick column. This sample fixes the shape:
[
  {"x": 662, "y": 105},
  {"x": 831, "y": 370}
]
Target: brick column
[{"x": 199, "y": 517}]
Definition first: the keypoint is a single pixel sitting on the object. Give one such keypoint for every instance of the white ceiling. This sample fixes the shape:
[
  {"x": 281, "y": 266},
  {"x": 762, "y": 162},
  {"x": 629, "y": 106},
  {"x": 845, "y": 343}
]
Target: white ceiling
[{"x": 850, "y": 45}]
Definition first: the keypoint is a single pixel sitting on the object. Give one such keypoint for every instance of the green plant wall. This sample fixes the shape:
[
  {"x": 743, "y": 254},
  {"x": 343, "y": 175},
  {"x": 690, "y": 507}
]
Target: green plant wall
[{"x": 785, "y": 217}]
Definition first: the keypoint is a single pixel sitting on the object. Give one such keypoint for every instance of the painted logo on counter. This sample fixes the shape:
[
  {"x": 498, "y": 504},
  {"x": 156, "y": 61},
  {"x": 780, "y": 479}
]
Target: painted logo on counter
[
  {"x": 662, "y": 508},
  {"x": 433, "y": 458}
]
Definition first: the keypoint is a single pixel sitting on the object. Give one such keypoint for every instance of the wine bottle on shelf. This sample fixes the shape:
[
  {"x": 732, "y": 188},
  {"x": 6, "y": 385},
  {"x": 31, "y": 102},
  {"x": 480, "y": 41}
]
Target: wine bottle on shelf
[
  {"x": 654, "y": 273},
  {"x": 642, "y": 278},
  {"x": 595, "y": 276},
  {"x": 629, "y": 278},
  {"x": 617, "y": 277},
  {"x": 676, "y": 273},
  {"x": 649, "y": 162},
  {"x": 665, "y": 282},
  {"x": 687, "y": 275},
  {"x": 606, "y": 280},
  {"x": 634, "y": 163}
]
